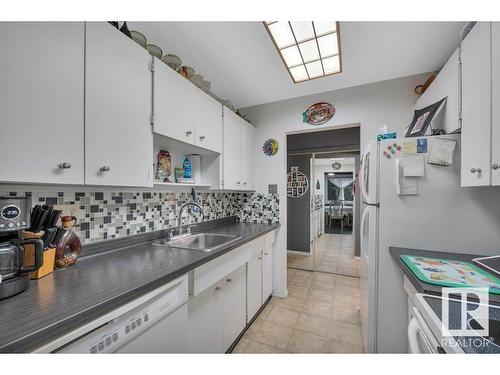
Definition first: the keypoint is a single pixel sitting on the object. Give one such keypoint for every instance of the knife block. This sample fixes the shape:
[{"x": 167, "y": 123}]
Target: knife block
[{"x": 49, "y": 256}]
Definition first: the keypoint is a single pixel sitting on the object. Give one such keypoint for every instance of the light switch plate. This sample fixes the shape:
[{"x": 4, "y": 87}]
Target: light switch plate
[{"x": 273, "y": 189}]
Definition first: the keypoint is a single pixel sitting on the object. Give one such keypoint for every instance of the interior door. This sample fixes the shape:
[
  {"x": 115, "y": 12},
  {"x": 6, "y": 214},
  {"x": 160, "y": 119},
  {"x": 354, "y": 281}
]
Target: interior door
[
  {"x": 41, "y": 111},
  {"x": 495, "y": 113},
  {"x": 232, "y": 151},
  {"x": 118, "y": 137},
  {"x": 234, "y": 305},
  {"x": 175, "y": 104},
  {"x": 476, "y": 106}
]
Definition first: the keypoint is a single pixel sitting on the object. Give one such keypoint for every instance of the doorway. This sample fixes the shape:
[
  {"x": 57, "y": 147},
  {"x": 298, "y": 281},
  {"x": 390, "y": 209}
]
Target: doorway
[{"x": 322, "y": 219}]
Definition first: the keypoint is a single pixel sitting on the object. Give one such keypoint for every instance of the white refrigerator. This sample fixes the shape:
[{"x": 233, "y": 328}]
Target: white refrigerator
[{"x": 442, "y": 216}]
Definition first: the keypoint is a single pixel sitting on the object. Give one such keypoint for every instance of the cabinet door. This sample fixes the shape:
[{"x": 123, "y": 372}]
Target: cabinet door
[
  {"x": 495, "y": 121},
  {"x": 234, "y": 305},
  {"x": 118, "y": 137},
  {"x": 254, "y": 285},
  {"x": 267, "y": 273},
  {"x": 208, "y": 122},
  {"x": 476, "y": 106},
  {"x": 248, "y": 163},
  {"x": 41, "y": 111},
  {"x": 174, "y": 105},
  {"x": 232, "y": 151},
  {"x": 206, "y": 321}
]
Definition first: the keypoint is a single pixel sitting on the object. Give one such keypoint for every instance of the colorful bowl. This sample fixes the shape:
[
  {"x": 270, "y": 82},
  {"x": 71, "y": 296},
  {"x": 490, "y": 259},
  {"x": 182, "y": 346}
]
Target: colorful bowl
[{"x": 186, "y": 72}]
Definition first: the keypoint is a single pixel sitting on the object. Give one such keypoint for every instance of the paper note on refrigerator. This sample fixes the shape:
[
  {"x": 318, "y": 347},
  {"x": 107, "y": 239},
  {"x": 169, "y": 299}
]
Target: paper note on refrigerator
[
  {"x": 405, "y": 185},
  {"x": 442, "y": 151},
  {"x": 414, "y": 166}
]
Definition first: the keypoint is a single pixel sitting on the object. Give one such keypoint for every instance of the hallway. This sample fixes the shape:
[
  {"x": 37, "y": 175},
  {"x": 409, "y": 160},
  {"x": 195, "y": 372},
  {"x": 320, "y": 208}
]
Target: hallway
[
  {"x": 334, "y": 254},
  {"x": 319, "y": 315}
]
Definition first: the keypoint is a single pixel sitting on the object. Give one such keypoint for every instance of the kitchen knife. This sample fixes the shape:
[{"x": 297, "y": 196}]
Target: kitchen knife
[
  {"x": 42, "y": 219},
  {"x": 48, "y": 237},
  {"x": 52, "y": 220},
  {"x": 58, "y": 236},
  {"x": 35, "y": 214}
]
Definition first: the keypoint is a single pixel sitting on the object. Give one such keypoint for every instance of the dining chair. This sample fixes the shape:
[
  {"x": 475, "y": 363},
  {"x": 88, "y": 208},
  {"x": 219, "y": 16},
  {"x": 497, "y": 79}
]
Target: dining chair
[{"x": 337, "y": 208}]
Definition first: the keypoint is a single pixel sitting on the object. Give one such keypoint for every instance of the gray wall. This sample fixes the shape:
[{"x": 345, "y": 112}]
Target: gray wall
[{"x": 298, "y": 214}]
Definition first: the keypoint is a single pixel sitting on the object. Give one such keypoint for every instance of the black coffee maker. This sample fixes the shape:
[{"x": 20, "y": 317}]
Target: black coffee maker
[{"x": 14, "y": 217}]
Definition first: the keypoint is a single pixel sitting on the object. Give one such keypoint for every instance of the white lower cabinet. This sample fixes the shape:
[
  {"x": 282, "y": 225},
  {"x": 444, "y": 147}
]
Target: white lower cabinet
[
  {"x": 206, "y": 321},
  {"x": 218, "y": 315},
  {"x": 254, "y": 285},
  {"x": 234, "y": 306},
  {"x": 267, "y": 273},
  {"x": 221, "y": 307}
]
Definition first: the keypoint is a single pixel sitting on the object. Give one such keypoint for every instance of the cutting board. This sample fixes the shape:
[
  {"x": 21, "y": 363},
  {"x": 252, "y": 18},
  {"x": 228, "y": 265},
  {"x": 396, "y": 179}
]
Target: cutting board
[{"x": 450, "y": 273}]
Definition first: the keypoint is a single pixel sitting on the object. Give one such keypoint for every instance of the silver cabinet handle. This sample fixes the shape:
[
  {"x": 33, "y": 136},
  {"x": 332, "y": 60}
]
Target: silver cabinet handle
[
  {"x": 218, "y": 288},
  {"x": 229, "y": 280},
  {"x": 266, "y": 253},
  {"x": 64, "y": 165},
  {"x": 188, "y": 133},
  {"x": 238, "y": 182},
  {"x": 474, "y": 170},
  {"x": 495, "y": 166},
  {"x": 202, "y": 138},
  {"x": 244, "y": 183},
  {"x": 260, "y": 258},
  {"x": 105, "y": 169}
]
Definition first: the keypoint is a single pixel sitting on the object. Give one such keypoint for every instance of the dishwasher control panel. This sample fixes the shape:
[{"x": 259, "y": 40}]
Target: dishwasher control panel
[{"x": 118, "y": 332}]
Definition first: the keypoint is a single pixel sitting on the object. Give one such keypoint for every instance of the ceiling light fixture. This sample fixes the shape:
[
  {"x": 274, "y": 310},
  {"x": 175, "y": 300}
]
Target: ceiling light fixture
[{"x": 308, "y": 49}]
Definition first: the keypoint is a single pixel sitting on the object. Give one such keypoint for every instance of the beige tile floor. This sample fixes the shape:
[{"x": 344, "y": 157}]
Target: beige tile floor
[
  {"x": 334, "y": 253},
  {"x": 320, "y": 315}
]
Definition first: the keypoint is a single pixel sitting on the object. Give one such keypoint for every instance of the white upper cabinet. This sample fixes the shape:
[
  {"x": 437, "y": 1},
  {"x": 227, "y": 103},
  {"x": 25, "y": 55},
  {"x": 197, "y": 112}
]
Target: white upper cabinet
[
  {"x": 118, "y": 136},
  {"x": 476, "y": 106},
  {"x": 238, "y": 155},
  {"x": 232, "y": 151},
  {"x": 41, "y": 111},
  {"x": 184, "y": 112},
  {"x": 173, "y": 104},
  {"x": 248, "y": 156},
  {"x": 208, "y": 121}
]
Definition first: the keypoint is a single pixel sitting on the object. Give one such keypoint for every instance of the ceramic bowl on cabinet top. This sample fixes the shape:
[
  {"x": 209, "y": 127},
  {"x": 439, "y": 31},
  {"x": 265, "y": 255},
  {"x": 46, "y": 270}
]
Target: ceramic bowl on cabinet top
[
  {"x": 172, "y": 61},
  {"x": 138, "y": 38},
  {"x": 154, "y": 50},
  {"x": 186, "y": 72}
]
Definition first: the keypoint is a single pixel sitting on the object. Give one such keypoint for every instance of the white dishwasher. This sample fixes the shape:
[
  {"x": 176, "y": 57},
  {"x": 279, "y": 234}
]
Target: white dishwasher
[{"x": 157, "y": 325}]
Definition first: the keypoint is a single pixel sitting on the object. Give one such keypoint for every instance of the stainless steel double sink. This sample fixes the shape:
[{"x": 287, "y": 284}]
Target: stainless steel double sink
[{"x": 199, "y": 242}]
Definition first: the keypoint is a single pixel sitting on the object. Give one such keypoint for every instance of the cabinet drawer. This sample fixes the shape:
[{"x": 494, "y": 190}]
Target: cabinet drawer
[{"x": 210, "y": 273}]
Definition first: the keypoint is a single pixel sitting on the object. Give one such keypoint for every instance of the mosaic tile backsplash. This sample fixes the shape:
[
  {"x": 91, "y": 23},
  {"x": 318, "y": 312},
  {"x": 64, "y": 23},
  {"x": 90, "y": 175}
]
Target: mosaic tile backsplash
[{"x": 106, "y": 215}]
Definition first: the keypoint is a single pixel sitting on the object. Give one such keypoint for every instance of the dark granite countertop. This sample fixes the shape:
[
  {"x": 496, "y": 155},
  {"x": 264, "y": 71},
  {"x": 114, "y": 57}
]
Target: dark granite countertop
[
  {"x": 98, "y": 284},
  {"x": 423, "y": 287}
]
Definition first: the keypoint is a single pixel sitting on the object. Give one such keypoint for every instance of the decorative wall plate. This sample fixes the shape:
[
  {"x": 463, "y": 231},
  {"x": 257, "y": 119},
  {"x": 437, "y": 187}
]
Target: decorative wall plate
[
  {"x": 270, "y": 147},
  {"x": 336, "y": 165},
  {"x": 297, "y": 183},
  {"x": 318, "y": 113}
]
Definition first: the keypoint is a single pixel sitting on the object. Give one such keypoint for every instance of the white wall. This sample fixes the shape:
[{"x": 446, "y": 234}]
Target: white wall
[{"x": 372, "y": 106}]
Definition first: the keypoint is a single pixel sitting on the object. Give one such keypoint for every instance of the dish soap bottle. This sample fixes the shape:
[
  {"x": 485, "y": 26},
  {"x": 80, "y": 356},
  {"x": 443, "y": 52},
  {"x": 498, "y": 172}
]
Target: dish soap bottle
[
  {"x": 69, "y": 247},
  {"x": 186, "y": 165}
]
